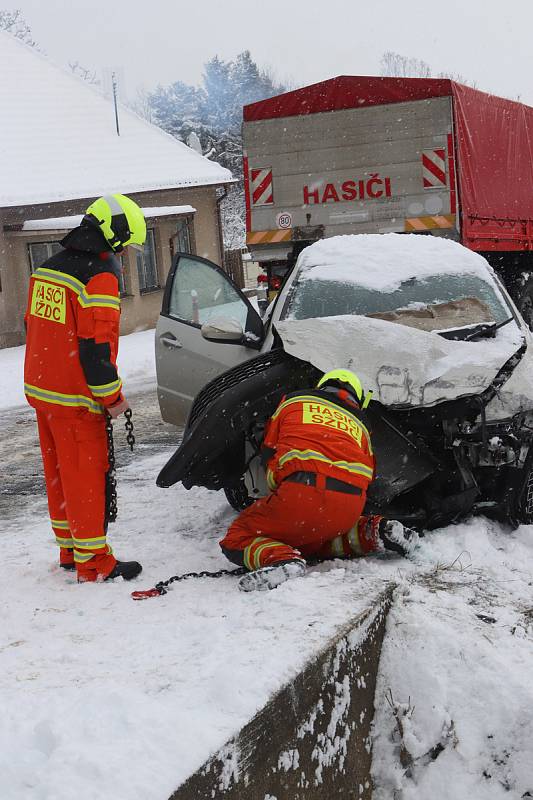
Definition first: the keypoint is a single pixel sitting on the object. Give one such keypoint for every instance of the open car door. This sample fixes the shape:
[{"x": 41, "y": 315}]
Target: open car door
[{"x": 206, "y": 325}]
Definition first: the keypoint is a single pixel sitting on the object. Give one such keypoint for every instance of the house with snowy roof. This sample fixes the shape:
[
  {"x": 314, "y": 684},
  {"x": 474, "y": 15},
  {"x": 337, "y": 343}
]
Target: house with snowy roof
[{"x": 59, "y": 149}]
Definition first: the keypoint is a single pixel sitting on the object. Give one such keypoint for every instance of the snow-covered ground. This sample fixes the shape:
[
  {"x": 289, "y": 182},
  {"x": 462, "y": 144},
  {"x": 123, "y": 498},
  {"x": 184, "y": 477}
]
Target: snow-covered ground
[
  {"x": 456, "y": 669},
  {"x": 136, "y": 365},
  {"x": 106, "y": 698}
]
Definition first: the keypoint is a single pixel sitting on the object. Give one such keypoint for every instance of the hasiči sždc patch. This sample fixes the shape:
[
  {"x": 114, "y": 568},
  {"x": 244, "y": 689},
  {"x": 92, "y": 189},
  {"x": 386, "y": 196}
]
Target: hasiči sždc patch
[
  {"x": 320, "y": 414},
  {"x": 49, "y": 302}
]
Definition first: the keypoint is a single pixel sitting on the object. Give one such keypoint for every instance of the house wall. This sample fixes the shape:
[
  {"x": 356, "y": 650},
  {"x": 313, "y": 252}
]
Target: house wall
[
  {"x": 139, "y": 311},
  {"x": 12, "y": 294}
]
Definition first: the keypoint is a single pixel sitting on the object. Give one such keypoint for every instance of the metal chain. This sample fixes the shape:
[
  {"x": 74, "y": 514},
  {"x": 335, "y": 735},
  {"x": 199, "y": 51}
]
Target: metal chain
[
  {"x": 111, "y": 506},
  {"x": 130, "y": 438},
  {"x": 161, "y": 587},
  {"x": 111, "y": 501}
]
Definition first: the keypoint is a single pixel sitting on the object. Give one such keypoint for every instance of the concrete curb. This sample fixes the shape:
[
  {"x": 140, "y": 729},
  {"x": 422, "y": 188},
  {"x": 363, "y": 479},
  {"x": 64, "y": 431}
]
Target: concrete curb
[{"x": 312, "y": 739}]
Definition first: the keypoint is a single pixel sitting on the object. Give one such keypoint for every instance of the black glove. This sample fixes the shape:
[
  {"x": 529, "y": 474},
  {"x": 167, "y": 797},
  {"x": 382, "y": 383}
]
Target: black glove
[{"x": 266, "y": 454}]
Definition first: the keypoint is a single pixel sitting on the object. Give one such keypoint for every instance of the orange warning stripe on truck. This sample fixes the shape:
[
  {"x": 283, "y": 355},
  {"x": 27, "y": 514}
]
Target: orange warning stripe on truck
[
  {"x": 428, "y": 223},
  {"x": 264, "y": 237}
]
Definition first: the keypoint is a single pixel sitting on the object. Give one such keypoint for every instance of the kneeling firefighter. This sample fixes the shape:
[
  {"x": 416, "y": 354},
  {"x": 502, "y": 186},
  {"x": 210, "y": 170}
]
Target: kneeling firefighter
[
  {"x": 319, "y": 462},
  {"x": 71, "y": 379}
]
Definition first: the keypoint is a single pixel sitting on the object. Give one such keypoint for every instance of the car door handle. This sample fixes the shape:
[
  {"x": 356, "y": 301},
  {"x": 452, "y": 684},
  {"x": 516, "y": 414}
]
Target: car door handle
[{"x": 170, "y": 341}]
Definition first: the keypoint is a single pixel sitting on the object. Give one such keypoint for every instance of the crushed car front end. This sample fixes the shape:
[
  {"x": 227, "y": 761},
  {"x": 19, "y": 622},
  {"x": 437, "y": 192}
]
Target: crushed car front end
[{"x": 445, "y": 352}]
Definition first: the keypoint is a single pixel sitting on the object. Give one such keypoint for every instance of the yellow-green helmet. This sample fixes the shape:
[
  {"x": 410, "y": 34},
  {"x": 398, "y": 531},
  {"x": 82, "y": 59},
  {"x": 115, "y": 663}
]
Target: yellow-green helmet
[
  {"x": 346, "y": 380},
  {"x": 120, "y": 219}
]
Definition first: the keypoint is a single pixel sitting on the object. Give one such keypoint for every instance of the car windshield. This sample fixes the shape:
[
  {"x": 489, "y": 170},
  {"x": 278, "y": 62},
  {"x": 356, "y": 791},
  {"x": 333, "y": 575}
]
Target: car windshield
[{"x": 438, "y": 302}]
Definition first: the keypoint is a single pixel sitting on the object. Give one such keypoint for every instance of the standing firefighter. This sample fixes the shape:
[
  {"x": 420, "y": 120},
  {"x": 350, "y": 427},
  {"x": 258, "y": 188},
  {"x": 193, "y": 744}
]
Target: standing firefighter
[
  {"x": 319, "y": 464},
  {"x": 70, "y": 378}
]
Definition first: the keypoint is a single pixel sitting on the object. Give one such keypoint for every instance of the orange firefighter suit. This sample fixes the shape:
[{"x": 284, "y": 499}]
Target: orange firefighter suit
[
  {"x": 70, "y": 377},
  {"x": 320, "y": 465}
]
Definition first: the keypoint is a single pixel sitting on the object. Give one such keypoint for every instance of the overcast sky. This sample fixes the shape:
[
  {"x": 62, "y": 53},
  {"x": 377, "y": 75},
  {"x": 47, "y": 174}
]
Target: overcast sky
[{"x": 160, "y": 41}]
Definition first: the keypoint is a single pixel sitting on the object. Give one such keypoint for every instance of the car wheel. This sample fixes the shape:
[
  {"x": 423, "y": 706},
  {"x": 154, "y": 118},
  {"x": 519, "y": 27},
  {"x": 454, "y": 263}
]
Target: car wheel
[{"x": 238, "y": 497}]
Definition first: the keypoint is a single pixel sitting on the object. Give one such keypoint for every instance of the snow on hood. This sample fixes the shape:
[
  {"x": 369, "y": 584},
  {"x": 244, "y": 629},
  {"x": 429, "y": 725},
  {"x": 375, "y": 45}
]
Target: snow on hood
[
  {"x": 382, "y": 261},
  {"x": 403, "y": 366},
  {"x": 516, "y": 394}
]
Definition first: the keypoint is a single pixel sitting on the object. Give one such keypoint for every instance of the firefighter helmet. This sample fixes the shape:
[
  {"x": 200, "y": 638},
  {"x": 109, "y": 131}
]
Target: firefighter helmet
[
  {"x": 349, "y": 381},
  {"x": 120, "y": 220}
]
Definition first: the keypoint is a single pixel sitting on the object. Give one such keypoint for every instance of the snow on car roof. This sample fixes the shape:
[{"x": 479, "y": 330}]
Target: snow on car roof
[{"x": 382, "y": 261}]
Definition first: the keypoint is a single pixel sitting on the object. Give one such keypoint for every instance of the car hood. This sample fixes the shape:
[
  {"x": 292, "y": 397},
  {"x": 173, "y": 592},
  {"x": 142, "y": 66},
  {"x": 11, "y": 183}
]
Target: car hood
[{"x": 404, "y": 367}]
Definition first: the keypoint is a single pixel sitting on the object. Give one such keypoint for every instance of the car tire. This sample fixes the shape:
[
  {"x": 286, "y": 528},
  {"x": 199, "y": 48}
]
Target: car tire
[{"x": 238, "y": 497}]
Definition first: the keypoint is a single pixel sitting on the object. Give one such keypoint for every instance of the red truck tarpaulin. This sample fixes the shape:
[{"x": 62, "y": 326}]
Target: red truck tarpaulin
[{"x": 494, "y": 140}]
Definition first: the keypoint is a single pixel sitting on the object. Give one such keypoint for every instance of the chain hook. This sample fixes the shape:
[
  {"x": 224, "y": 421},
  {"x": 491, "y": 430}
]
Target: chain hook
[{"x": 161, "y": 587}]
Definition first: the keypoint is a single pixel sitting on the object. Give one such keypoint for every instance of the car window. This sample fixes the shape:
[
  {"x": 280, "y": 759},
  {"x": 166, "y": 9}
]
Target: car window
[
  {"x": 200, "y": 293},
  {"x": 314, "y": 297}
]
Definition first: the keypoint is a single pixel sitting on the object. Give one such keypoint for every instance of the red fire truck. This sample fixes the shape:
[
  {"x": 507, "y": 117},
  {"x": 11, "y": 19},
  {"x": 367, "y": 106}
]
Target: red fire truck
[{"x": 406, "y": 155}]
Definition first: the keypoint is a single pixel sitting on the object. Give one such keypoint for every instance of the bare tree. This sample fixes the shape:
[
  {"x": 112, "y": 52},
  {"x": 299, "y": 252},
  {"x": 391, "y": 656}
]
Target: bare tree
[
  {"x": 14, "y": 23},
  {"x": 85, "y": 74},
  {"x": 458, "y": 78},
  {"x": 394, "y": 65},
  {"x": 141, "y": 105}
]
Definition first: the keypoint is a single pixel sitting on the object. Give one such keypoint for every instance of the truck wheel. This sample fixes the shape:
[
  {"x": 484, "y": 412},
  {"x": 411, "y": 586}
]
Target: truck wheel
[
  {"x": 525, "y": 304},
  {"x": 238, "y": 497}
]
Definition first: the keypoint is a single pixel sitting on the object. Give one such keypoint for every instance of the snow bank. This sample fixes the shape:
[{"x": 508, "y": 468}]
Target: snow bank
[
  {"x": 136, "y": 360},
  {"x": 125, "y": 699},
  {"x": 456, "y": 662},
  {"x": 136, "y": 364},
  {"x": 12, "y": 383}
]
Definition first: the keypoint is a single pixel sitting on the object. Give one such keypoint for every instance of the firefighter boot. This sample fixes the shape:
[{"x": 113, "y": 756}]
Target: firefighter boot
[
  {"x": 396, "y": 537},
  {"x": 270, "y": 577},
  {"x": 66, "y": 559},
  {"x": 125, "y": 569}
]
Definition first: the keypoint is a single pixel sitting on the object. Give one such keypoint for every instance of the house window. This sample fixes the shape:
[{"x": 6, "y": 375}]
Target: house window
[
  {"x": 123, "y": 277},
  {"x": 146, "y": 264},
  {"x": 182, "y": 238},
  {"x": 40, "y": 252}
]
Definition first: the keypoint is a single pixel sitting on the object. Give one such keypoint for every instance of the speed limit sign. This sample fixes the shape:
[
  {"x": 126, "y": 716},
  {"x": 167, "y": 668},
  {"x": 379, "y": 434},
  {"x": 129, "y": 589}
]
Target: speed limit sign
[{"x": 284, "y": 220}]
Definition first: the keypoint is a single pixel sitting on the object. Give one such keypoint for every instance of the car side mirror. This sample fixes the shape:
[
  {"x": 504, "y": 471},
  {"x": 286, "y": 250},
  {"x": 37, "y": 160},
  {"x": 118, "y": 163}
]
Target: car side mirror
[{"x": 223, "y": 329}]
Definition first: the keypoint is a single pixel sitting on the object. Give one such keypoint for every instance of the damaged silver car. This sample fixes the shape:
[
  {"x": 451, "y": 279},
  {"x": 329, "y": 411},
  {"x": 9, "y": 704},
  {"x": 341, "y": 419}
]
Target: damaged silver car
[{"x": 428, "y": 328}]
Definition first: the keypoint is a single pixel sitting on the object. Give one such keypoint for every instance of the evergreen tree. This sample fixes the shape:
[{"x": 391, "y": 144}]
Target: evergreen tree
[
  {"x": 248, "y": 83},
  {"x": 217, "y": 92},
  {"x": 213, "y": 114}
]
